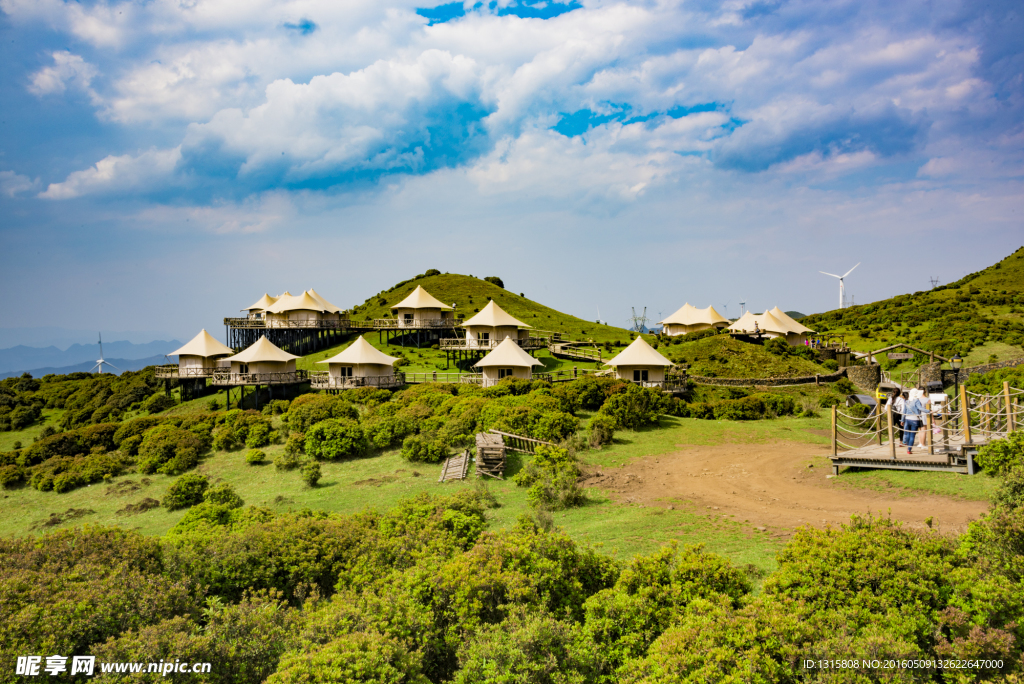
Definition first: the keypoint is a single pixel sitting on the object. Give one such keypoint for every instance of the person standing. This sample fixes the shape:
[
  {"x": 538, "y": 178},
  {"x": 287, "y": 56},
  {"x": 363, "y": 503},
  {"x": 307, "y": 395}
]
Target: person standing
[
  {"x": 897, "y": 402},
  {"x": 913, "y": 410}
]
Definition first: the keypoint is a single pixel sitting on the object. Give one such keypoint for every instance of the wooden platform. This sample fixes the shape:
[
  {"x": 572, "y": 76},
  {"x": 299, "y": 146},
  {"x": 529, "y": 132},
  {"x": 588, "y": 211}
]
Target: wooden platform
[
  {"x": 490, "y": 455},
  {"x": 456, "y": 467},
  {"x": 956, "y": 457}
]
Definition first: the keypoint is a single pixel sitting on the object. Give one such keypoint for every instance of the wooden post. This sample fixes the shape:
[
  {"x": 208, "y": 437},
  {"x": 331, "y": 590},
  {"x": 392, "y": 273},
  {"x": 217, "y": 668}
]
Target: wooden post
[
  {"x": 835, "y": 431},
  {"x": 878, "y": 423},
  {"x": 1009, "y": 407},
  {"x": 945, "y": 426},
  {"x": 965, "y": 414},
  {"x": 892, "y": 440}
]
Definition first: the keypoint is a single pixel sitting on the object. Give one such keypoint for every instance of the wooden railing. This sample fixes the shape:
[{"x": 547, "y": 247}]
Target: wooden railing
[
  {"x": 581, "y": 353},
  {"x": 324, "y": 380},
  {"x": 470, "y": 343},
  {"x": 261, "y": 324},
  {"x": 525, "y": 445},
  {"x": 416, "y": 378},
  {"x": 225, "y": 377},
  {"x": 669, "y": 383},
  {"x": 413, "y": 323},
  {"x": 174, "y": 372}
]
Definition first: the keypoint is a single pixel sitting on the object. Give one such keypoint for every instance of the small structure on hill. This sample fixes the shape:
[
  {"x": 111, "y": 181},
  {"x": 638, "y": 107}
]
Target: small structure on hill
[
  {"x": 506, "y": 360},
  {"x": 359, "y": 365},
  {"x": 302, "y": 311},
  {"x": 690, "y": 319},
  {"x": 261, "y": 364},
  {"x": 422, "y": 310},
  {"x": 258, "y": 309},
  {"x": 771, "y": 323},
  {"x": 487, "y": 329},
  {"x": 640, "y": 363},
  {"x": 197, "y": 361}
]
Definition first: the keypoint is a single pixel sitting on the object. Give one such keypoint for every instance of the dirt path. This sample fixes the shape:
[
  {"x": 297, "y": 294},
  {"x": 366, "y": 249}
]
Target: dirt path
[{"x": 769, "y": 485}]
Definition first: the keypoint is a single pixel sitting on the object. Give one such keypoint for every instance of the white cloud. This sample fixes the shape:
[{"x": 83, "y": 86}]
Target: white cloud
[
  {"x": 13, "y": 184},
  {"x": 67, "y": 70},
  {"x": 117, "y": 174}
]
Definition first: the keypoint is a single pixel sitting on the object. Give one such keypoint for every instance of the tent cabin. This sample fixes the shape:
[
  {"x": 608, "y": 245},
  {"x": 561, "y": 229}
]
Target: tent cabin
[
  {"x": 198, "y": 358},
  {"x": 302, "y": 311},
  {"x": 691, "y": 319},
  {"x": 359, "y": 365},
  {"x": 640, "y": 363},
  {"x": 257, "y": 309},
  {"x": 772, "y": 323},
  {"x": 263, "y": 363},
  {"x": 487, "y": 329},
  {"x": 422, "y": 310},
  {"x": 506, "y": 360}
]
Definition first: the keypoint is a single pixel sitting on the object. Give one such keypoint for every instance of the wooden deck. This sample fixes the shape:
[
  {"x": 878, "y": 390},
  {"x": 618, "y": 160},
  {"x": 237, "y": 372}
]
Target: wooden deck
[
  {"x": 954, "y": 457},
  {"x": 456, "y": 467},
  {"x": 229, "y": 379},
  {"x": 463, "y": 344},
  {"x": 173, "y": 372},
  {"x": 323, "y": 380},
  {"x": 575, "y": 351},
  {"x": 261, "y": 324}
]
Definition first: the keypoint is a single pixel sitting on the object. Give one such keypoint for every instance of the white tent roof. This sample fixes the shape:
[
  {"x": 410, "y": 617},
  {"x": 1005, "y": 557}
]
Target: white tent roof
[
  {"x": 421, "y": 299},
  {"x": 262, "y": 303},
  {"x": 326, "y": 304},
  {"x": 691, "y": 315},
  {"x": 794, "y": 325},
  {"x": 508, "y": 353},
  {"x": 493, "y": 316},
  {"x": 639, "y": 353},
  {"x": 766, "y": 323},
  {"x": 302, "y": 302},
  {"x": 203, "y": 345},
  {"x": 262, "y": 350},
  {"x": 361, "y": 352}
]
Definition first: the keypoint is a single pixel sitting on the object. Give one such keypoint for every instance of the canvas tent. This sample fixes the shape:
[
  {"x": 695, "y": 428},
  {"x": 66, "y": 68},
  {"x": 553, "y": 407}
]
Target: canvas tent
[
  {"x": 262, "y": 357},
  {"x": 198, "y": 357},
  {"x": 506, "y": 360},
  {"x": 640, "y": 363},
  {"x": 690, "y": 319},
  {"x": 262, "y": 304},
  {"x": 492, "y": 325},
  {"x": 422, "y": 310},
  {"x": 300, "y": 310},
  {"x": 359, "y": 360},
  {"x": 772, "y": 323}
]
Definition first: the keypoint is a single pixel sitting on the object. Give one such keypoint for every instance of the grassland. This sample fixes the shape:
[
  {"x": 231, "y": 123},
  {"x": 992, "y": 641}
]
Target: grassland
[
  {"x": 902, "y": 483},
  {"x": 723, "y": 356}
]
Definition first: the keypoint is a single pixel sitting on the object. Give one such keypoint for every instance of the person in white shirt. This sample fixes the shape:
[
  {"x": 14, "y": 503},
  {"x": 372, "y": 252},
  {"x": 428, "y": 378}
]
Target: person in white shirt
[{"x": 897, "y": 402}]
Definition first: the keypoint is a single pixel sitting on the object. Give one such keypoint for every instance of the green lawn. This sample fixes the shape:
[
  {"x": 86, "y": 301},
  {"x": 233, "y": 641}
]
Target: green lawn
[
  {"x": 902, "y": 483},
  {"x": 50, "y": 417}
]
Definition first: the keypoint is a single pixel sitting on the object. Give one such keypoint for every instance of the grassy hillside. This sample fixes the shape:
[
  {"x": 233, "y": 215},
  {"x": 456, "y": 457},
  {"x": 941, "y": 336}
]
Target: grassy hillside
[
  {"x": 471, "y": 294},
  {"x": 980, "y": 316},
  {"x": 722, "y": 356}
]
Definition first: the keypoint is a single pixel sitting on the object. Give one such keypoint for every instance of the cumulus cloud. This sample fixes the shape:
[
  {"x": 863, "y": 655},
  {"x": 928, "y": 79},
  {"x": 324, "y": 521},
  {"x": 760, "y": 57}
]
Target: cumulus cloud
[
  {"x": 13, "y": 184},
  {"x": 68, "y": 70},
  {"x": 120, "y": 174}
]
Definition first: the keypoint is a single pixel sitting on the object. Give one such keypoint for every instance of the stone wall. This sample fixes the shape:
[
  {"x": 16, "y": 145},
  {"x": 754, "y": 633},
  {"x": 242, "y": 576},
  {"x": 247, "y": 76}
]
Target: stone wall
[
  {"x": 965, "y": 373},
  {"x": 767, "y": 382},
  {"x": 865, "y": 377}
]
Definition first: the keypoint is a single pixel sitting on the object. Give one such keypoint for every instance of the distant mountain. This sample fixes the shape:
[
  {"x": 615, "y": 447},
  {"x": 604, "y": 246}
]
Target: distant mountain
[
  {"x": 65, "y": 337},
  {"x": 21, "y": 358},
  {"x": 85, "y": 367}
]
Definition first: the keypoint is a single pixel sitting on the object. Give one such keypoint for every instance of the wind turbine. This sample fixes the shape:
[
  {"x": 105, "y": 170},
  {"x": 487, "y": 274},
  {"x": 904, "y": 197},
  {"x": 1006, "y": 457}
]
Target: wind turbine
[
  {"x": 100, "y": 362},
  {"x": 842, "y": 287},
  {"x": 742, "y": 304}
]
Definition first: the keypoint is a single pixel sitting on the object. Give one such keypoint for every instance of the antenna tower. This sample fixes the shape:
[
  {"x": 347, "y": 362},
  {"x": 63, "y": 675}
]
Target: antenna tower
[
  {"x": 639, "y": 322},
  {"x": 935, "y": 281}
]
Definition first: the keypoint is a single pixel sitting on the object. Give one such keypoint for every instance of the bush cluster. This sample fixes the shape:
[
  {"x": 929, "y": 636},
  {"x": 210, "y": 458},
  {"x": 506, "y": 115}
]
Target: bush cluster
[{"x": 552, "y": 476}]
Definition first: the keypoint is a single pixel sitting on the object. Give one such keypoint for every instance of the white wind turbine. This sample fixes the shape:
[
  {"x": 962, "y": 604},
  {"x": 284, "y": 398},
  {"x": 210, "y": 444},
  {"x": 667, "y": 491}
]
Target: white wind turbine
[
  {"x": 842, "y": 287},
  {"x": 100, "y": 362}
]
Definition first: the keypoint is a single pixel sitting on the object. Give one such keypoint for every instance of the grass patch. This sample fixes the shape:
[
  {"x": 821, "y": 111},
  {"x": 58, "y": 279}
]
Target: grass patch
[
  {"x": 26, "y": 436},
  {"x": 978, "y": 487},
  {"x": 723, "y": 356}
]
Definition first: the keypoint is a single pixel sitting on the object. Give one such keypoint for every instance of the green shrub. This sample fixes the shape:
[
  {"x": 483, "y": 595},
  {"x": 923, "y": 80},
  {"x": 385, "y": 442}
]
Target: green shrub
[
  {"x": 602, "y": 430},
  {"x": 64, "y": 473},
  {"x": 259, "y": 435},
  {"x": 309, "y": 409},
  {"x": 702, "y": 410},
  {"x": 276, "y": 407},
  {"x": 311, "y": 473},
  {"x": 1000, "y": 456},
  {"x": 350, "y": 659},
  {"x": 777, "y": 404},
  {"x": 170, "y": 450},
  {"x": 11, "y": 475},
  {"x": 158, "y": 402},
  {"x": 829, "y": 400},
  {"x": 72, "y": 442},
  {"x": 186, "y": 491},
  {"x": 747, "y": 408},
  {"x": 420, "y": 448},
  {"x": 1010, "y": 494},
  {"x": 234, "y": 427},
  {"x": 635, "y": 407},
  {"x": 830, "y": 364},
  {"x": 333, "y": 439},
  {"x": 553, "y": 478},
  {"x": 23, "y": 416},
  {"x": 556, "y": 426},
  {"x": 255, "y": 457},
  {"x": 223, "y": 495},
  {"x": 844, "y": 386},
  {"x": 287, "y": 460}
]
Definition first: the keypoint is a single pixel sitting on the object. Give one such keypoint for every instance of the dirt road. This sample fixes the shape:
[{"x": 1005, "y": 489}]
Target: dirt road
[{"x": 769, "y": 485}]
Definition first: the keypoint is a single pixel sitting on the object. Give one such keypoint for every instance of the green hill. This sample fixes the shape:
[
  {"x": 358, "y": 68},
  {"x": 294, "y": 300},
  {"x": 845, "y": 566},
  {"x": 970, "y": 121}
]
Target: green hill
[
  {"x": 722, "y": 356},
  {"x": 471, "y": 294},
  {"x": 979, "y": 316}
]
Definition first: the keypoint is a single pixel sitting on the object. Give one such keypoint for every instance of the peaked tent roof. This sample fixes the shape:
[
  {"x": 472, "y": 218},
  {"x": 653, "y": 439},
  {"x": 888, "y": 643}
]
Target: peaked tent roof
[
  {"x": 302, "y": 302},
  {"x": 794, "y": 325},
  {"x": 262, "y": 303},
  {"x": 421, "y": 299},
  {"x": 326, "y": 304},
  {"x": 203, "y": 345},
  {"x": 766, "y": 322},
  {"x": 262, "y": 350},
  {"x": 360, "y": 352},
  {"x": 639, "y": 353},
  {"x": 493, "y": 315},
  {"x": 508, "y": 353},
  {"x": 691, "y": 315}
]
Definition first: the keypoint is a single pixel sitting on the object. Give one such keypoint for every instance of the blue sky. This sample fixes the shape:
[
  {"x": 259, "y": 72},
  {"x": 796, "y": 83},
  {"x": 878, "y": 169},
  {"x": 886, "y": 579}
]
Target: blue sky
[{"x": 163, "y": 162}]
